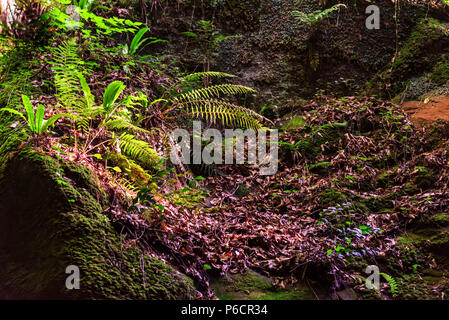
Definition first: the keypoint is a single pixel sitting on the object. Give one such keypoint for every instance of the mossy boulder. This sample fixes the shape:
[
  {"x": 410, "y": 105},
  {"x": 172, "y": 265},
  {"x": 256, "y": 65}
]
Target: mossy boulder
[
  {"x": 421, "y": 50},
  {"x": 253, "y": 286},
  {"x": 440, "y": 74},
  {"x": 424, "y": 178},
  {"x": 51, "y": 218}
]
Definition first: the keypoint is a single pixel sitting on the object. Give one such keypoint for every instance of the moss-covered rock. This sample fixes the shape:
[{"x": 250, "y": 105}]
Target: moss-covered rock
[
  {"x": 440, "y": 74},
  {"x": 328, "y": 134},
  {"x": 253, "y": 286},
  {"x": 51, "y": 218},
  {"x": 415, "y": 56}
]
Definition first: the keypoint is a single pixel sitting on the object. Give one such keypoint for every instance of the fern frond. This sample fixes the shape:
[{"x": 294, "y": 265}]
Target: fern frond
[
  {"x": 207, "y": 74},
  {"x": 315, "y": 17},
  {"x": 228, "y": 113},
  {"x": 126, "y": 186},
  {"x": 132, "y": 101},
  {"x": 391, "y": 282},
  {"x": 137, "y": 149},
  {"x": 120, "y": 123},
  {"x": 215, "y": 92},
  {"x": 66, "y": 65}
]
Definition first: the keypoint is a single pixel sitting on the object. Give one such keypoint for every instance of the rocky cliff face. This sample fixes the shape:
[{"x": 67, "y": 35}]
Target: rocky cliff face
[{"x": 273, "y": 53}]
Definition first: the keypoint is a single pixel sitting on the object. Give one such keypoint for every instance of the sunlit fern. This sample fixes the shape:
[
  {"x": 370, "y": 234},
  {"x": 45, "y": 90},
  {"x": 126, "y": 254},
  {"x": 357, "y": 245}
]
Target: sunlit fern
[
  {"x": 209, "y": 103},
  {"x": 137, "y": 149},
  {"x": 66, "y": 65},
  {"x": 113, "y": 114}
]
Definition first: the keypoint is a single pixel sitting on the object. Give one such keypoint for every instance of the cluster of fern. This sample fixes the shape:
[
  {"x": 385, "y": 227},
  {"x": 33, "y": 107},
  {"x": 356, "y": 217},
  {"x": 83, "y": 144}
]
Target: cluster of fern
[{"x": 111, "y": 124}]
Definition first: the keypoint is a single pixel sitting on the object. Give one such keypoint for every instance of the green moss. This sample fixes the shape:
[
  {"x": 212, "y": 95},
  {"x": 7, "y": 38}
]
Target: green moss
[
  {"x": 412, "y": 57},
  {"x": 424, "y": 179},
  {"x": 441, "y": 219},
  {"x": 252, "y": 286},
  {"x": 242, "y": 191},
  {"x": 440, "y": 74},
  {"x": 385, "y": 180},
  {"x": 378, "y": 204},
  {"x": 332, "y": 197},
  {"x": 410, "y": 189},
  {"x": 296, "y": 123},
  {"x": 320, "y": 167},
  {"x": 329, "y": 133},
  {"x": 51, "y": 219}
]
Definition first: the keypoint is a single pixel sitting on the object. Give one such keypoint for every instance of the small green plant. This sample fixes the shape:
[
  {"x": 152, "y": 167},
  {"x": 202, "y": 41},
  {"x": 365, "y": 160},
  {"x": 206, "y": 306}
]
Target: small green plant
[
  {"x": 35, "y": 120},
  {"x": 314, "y": 18},
  {"x": 391, "y": 282},
  {"x": 137, "y": 43}
]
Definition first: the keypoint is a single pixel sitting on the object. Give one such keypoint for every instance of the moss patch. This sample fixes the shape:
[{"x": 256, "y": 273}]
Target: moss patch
[
  {"x": 296, "y": 123},
  {"x": 252, "y": 286}
]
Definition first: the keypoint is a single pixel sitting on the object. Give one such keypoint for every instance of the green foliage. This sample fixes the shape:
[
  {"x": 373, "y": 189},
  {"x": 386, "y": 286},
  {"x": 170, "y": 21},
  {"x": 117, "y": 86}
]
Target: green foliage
[
  {"x": 60, "y": 17},
  {"x": 110, "y": 96},
  {"x": 137, "y": 149},
  {"x": 209, "y": 74},
  {"x": 35, "y": 120},
  {"x": 204, "y": 103},
  {"x": 314, "y": 18},
  {"x": 66, "y": 65},
  {"x": 230, "y": 114},
  {"x": 391, "y": 282},
  {"x": 137, "y": 41}
]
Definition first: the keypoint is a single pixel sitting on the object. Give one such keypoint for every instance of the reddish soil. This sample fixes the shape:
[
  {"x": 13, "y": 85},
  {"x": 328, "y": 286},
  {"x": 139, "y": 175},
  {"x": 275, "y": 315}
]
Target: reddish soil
[{"x": 427, "y": 113}]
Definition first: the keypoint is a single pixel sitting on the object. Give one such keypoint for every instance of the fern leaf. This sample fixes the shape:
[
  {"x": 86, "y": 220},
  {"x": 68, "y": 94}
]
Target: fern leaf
[
  {"x": 208, "y": 74},
  {"x": 66, "y": 65},
  {"x": 111, "y": 94},
  {"x": 215, "y": 92},
  {"x": 391, "y": 282},
  {"x": 228, "y": 113},
  {"x": 13, "y": 111},
  {"x": 137, "y": 149},
  {"x": 122, "y": 124}
]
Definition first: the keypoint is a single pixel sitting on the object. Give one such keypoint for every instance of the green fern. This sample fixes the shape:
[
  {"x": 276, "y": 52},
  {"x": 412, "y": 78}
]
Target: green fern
[
  {"x": 229, "y": 114},
  {"x": 66, "y": 66},
  {"x": 215, "y": 92},
  {"x": 35, "y": 120},
  {"x": 315, "y": 17},
  {"x": 208, "y": 74},
  {"x": 125, "y": 185},
  {"x": 137, "y": 149},
  {"x": 392, "y": 283},
  {"x": 204, "y": 102}
]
